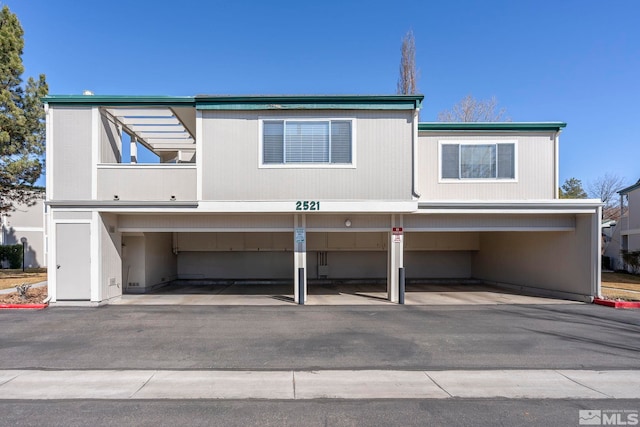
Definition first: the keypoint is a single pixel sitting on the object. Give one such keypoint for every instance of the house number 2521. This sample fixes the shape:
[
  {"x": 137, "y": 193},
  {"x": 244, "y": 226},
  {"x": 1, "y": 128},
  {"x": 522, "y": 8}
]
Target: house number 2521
[{"x": 307, "y": 205}]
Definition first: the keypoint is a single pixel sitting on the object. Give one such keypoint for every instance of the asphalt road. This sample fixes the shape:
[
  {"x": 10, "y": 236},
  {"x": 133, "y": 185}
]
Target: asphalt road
[
  {"x": 242, "y": 413},
  {"x": 572, "y": 336}
]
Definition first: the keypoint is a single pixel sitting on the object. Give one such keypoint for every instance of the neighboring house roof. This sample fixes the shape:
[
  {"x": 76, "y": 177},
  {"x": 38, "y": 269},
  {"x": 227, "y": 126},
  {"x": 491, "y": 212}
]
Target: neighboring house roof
[
  {"x": 249, "y": 102},
  {"x": 491, "y": 126},
  {"x": 630, "y": 188}
]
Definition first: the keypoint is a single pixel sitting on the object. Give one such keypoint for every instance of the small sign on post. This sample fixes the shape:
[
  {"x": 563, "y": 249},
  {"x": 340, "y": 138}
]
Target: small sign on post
[
  {"x": 300, "y": 239},
  {"x": 397, "y": 234}
]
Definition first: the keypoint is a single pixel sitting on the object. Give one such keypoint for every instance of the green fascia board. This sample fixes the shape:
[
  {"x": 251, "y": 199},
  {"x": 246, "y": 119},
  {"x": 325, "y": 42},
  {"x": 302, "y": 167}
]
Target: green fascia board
[
  {"x": 310, "y": 102},
  {"x": 491, "y": 126},
  {"x": 259, "y": 102},
  {"x": 120, "y": 100},
  {"x": 630, "y": 188}
]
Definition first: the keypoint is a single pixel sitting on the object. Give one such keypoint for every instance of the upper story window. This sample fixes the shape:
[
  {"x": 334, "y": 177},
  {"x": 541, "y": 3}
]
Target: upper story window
[
  {"x": 478, "y": 160},
  {"x": 315, "y": 142}
]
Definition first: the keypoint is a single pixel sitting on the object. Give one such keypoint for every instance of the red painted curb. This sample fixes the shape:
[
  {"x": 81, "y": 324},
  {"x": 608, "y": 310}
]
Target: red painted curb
[
  {"x": 617, "y": 304},
  {"x": 27, "y": 306}
]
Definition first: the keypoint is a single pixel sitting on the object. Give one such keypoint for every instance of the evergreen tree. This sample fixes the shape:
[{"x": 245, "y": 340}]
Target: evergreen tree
[
  {"x": 22, "y": 127},
  {"x": 572, "y": 189}
]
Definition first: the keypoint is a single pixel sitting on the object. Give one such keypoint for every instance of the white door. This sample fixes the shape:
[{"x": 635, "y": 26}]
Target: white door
[{"x": 73, "y": 262}]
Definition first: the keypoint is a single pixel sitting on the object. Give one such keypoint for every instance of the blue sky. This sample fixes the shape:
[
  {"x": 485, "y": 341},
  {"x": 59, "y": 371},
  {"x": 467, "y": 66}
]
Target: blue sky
[{"x": 576, "y": 61}]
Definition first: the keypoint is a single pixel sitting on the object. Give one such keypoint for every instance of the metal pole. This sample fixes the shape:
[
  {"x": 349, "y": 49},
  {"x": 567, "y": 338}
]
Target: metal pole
[
  {"x": 401, "y": 285},
  {"x": 23, "y": 240},
  {"x": 301, "y": 286}
]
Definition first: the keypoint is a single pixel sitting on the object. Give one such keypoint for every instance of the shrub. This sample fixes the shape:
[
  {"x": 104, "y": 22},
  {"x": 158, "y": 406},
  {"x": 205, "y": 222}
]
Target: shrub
[
  {"x": 22, "y": 290},
  {"x": 13, "y": 254},
  {"x": 632, "y": 259}
]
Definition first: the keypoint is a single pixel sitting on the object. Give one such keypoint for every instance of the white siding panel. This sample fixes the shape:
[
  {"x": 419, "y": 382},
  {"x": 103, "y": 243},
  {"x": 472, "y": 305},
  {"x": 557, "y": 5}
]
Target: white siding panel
[
  {"x": 356, "y": 265},
  {"x": 338, "y": 221},
  {"x": 70, "y": 215},
  {"x": 110, "y": 257},
  {"x": 212, "y": 242},
  {"x": 160, "y": 261},
  {"x": 535, "y": 169},
  {"x": 110, "y": 142},
  {"x": 133, "y": 263},
  {"x": 230, "y": 223},
  {"x": 634, "y": 242},
  {"x": 235, "y": 265},
  {"x": 437, "y": 265},
  {"x": 359, "y": 241},
  {"x": 231, "y": 153},
  {"x": 634, "y": 210},
  {"x": 144, "y": 183},
  {"x": 72, "y": 153},
  {"x": 441, "y": 241},
  {"x": 480, "y": 222}
]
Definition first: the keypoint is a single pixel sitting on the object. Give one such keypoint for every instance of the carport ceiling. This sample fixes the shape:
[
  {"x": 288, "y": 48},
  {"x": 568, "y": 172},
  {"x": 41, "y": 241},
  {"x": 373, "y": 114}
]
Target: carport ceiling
[{"x": 158, "y": 128}]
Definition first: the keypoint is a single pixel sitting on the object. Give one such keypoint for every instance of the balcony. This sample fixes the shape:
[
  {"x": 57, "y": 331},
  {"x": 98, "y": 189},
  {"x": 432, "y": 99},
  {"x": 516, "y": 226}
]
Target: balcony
[{"x": 147, "y": 182}]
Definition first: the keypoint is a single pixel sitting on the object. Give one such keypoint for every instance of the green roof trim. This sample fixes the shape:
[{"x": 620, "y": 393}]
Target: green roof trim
[
  {"x": 630, "y": 188},
  {"x": 309, "y": 102},
  {"x": 120, "y": 100},
  {"x": 250, "y": 102},
  {"x": 491, "y": 126}
]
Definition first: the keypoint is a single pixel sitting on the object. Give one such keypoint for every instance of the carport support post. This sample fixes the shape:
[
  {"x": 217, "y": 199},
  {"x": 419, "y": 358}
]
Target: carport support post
[
  {"x": 401, "y": 285},
  {"x": 301, "y": 286},
  {"x": 300, "y": 259},
  {"x": 395, "y": 258}
]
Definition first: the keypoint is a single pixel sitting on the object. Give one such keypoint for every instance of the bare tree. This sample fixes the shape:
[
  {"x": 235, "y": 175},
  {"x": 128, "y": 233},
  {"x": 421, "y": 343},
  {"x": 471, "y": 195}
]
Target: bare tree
[
  {"x": 605, "y": 188},
  {"x": 470, "y": 109},
  {"x": 408, "y": 79}
]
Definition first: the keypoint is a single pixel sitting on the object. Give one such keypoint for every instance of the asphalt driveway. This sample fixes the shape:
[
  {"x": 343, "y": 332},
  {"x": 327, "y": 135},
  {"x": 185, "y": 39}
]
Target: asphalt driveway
[{"x": 558, "y": 336}]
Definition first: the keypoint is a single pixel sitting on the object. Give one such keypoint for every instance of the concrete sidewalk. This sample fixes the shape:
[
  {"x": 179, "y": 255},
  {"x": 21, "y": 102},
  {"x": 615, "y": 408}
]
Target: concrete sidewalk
[{"x": 325, "y": 384}]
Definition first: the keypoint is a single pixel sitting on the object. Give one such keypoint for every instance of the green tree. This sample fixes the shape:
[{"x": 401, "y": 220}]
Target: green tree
[
  {"x": 572, "y": 189},
  {"x": 22, "y": 127},
  {"x": 408, "y": 79}
]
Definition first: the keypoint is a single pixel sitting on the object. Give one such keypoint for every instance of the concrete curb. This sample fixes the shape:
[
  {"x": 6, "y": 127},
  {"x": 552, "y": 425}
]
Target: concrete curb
[
  {"x": 23, "y": 306},
  {"x": 617, "y": 304}
]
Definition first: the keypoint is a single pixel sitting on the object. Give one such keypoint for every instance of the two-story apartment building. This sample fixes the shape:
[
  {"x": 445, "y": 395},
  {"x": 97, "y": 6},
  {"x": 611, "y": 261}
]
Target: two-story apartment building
[
  {"x": 626, "y": 234},
  {"x": 299, "y": 188},
  {"x": 26, "y": 223}
]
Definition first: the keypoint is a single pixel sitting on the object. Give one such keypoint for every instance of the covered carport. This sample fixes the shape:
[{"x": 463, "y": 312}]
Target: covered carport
[
  {"x": 549, "y": 249},
  {"x": 200, "y": 250},
  {"x": 544, "y": 248},
  {"x": 344, "y": 255},
  {"x": 347, "y": 258}
]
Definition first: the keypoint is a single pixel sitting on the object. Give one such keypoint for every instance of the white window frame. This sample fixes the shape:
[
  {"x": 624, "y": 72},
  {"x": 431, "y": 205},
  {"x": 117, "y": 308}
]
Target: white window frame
[
  {"x": 262, "y": 165},
  {"x": 478, "y": 180}
]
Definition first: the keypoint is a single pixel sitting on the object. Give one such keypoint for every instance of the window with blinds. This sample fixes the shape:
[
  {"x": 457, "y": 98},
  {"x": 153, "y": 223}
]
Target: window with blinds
[
  {"x": 478, "y": 161},
  {"x": 312, "y": 141}
]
